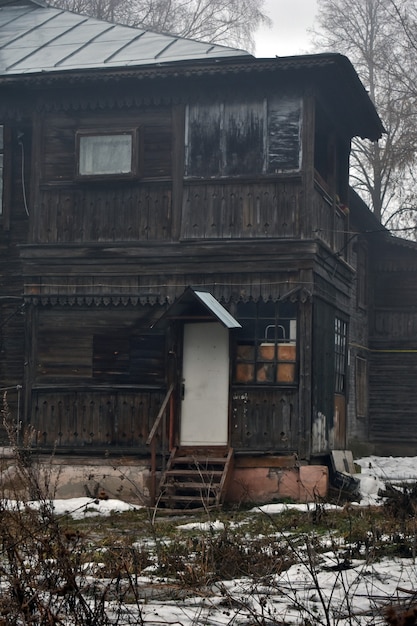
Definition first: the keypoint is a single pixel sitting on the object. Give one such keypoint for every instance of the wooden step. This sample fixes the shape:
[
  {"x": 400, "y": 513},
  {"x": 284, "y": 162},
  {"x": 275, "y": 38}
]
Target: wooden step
[
  {"x": 195, "y": 486},
  {"x": 182, "y": 498},
  {"x": 171, "y": 487},
  {"x": 192, "y": 460},
  {"x": 194, "y": 472},
  {"x": 196, "y": 482}
]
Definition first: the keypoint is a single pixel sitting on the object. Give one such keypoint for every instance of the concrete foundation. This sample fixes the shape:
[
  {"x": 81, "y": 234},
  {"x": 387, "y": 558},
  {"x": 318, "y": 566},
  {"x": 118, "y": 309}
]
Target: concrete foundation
[
  {"x": 124, "y": 479},
  {"x": 254, "y": 479},
  {"x": 267, "y": 479}
]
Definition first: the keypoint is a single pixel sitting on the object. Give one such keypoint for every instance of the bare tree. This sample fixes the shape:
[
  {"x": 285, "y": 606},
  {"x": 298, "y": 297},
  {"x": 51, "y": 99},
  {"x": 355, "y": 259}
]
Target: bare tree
[
  {"x": 372, "y": 34},
  {"x": 227, "y": 22}
]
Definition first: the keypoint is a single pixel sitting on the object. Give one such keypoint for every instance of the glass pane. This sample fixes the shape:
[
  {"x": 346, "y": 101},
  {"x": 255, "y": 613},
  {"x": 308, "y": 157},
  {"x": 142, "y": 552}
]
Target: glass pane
[
  {"x": 266, "y": 309},
  {"x": 105, "y": 154},
  {"x": 246, "y": 309},
  {"x": 266, "y": 352},
  {"x": 245, "y": 373},
  {"x": 286, "y": 373},
  {"x": 246, "y": 353},
  {"x": 286, "y": 352},
  {"x": 287, "y": 309},
  {"x": 265, "y": 373},
  {"x": 267, "y": 330},
  {"x": 247, "y": 333}
]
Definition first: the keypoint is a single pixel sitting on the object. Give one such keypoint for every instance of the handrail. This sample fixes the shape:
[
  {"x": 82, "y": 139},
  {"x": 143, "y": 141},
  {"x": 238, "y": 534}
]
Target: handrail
[
  {"x": 151, "y": 441},
  {"x": 160, "y": 414}
]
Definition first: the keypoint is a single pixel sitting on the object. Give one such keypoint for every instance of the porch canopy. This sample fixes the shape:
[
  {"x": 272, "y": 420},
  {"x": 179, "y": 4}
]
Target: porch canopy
[{"x": 197, "y": 305}]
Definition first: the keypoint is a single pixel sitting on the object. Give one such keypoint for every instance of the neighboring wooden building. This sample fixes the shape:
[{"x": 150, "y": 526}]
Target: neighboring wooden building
[{"x": 176, "y": 241}]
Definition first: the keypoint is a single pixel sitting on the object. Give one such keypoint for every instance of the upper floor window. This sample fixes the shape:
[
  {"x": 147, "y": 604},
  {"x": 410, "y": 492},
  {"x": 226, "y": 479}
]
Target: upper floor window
[
  {"x": 267, "y": 343},
  {"x": 331, "y": 158},
  {"x": 236, "y": 139},
  {"x": 107, "y": 154}
]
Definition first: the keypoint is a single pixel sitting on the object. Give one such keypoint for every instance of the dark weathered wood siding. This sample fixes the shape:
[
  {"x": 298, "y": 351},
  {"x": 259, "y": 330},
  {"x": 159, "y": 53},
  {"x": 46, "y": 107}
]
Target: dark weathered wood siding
[
  {"x": 224, "y": 199},
  {"x": 94, "y": 419},
  {"x": 220, "y": 210},
  {"x": 13, "y": 232},
  {"x": 393, "y": 348},
  {"x": 265, "y": 420}
]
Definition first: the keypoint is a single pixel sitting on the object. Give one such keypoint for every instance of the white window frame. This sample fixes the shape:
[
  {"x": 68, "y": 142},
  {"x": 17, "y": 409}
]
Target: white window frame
[{"x": 111, "y": 166}]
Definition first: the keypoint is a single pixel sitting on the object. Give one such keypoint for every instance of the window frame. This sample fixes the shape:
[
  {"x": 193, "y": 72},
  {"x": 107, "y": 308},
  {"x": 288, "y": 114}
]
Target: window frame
[
  {"x": 269, "y": 145},
  {"x": 120, "y": 357},
  {"x": 340, "y": 355},
  {"x": 267, "y": 356},
  {"x": 135, "y": 153}
]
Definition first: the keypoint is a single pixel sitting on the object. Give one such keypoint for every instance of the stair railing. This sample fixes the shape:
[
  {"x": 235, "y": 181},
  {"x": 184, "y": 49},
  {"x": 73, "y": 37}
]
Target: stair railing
[{"x": 151, "y": 440}]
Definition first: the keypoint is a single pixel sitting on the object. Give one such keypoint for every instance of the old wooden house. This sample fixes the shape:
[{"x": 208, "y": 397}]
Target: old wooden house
[{"x": 184, "y": 282}]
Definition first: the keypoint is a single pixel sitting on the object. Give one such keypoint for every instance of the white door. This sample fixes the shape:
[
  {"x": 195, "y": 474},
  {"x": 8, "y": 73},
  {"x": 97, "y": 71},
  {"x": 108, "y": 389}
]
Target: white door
[{"x": 204, "y": 408}]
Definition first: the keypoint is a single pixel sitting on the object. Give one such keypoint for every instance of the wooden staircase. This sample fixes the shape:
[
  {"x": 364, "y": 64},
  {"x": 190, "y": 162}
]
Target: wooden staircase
[{"x": 195, "y": 478}]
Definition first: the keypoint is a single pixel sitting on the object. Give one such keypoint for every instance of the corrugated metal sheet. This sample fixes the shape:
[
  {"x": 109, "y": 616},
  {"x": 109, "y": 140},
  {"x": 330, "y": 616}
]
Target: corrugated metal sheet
[{"x": 37, "y": 38}]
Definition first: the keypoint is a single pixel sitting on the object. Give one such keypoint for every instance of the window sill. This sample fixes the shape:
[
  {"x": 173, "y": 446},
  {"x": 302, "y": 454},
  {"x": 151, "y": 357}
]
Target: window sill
[{"x": 271, "y": 386}]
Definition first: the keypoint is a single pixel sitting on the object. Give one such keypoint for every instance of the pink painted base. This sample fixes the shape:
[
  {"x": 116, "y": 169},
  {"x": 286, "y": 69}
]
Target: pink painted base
[{"x": 264, "y": 484}]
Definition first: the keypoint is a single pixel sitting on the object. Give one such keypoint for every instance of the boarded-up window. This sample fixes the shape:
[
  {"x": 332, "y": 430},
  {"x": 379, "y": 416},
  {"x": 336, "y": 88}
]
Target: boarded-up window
[
  {"x": 284, "y": 115},
  {"x": 361, "y": 387},
  {"x": 340, "y": 354},
  {"x": 237, "y": 139},
  {"x": 204, "y": 155},
  {"x": 136, "y": 359},
  {"x": 266, "y": 351},
  {"x": 244, "y": 139},
  {"x": 110, "y": 357}
]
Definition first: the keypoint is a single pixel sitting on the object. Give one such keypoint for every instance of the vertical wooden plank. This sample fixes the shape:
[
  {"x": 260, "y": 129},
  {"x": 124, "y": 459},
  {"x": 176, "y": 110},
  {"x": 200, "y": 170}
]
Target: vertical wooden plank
[
  {"x": 7, "y": 177},
  {"x": 306, "y": 223},
  {"x": 178, "y": 167},
  {"x": 31, "y": 324},
  {"x": 37, "y": 174}
]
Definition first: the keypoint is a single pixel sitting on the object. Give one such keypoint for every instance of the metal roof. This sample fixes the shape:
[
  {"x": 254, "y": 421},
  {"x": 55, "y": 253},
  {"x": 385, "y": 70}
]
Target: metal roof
[
  {"x": 184, "y": 307},
  {"x": 39, "y": 43},
  {"x": 217, "y": 309},
  {"x": 37, "y": 38}
]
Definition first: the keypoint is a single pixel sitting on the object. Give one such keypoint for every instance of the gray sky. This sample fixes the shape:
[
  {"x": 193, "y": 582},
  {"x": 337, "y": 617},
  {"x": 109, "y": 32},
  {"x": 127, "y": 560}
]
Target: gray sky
[{"x": 291, "y": 19}]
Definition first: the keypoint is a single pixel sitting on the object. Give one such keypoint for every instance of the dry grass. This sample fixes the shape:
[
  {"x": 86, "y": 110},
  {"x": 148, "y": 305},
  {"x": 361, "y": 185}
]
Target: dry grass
[{"x": 55, "y": 570}]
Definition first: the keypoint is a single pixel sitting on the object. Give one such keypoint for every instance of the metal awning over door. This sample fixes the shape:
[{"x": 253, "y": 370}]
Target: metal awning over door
[{"x": 199, "y": 306}]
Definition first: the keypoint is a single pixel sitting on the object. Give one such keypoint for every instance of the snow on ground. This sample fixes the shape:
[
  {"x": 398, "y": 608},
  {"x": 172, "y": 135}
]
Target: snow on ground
[
  {"x": 389, "y": 468},
  {"x": 377, "y": 470},
  {"x": 336, "y": 592},
  {"x": 80, "y": 508}
]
